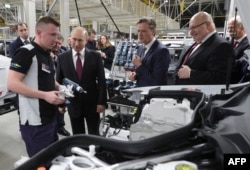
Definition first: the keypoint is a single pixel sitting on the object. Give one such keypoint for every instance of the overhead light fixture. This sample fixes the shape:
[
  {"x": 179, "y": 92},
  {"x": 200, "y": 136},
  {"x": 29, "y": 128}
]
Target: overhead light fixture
[{"x": 7, "y": 5}]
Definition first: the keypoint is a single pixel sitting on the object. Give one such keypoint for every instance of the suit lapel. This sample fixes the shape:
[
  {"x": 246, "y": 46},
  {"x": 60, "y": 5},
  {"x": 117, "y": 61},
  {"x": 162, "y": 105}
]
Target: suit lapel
[
  {"x": 201, "y": 48},
  {"x": 151, "y": 49}
]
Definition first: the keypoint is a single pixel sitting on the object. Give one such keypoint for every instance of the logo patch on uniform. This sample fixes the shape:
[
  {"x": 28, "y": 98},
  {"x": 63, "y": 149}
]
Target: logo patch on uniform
[
  {"x": 46, "y": 68},
  {"x": 15, "y": 65}
]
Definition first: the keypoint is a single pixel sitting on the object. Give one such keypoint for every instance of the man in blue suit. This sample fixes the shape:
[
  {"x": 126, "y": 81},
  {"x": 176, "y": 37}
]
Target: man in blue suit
[
  {"x": 152, "y": 59},
  {"x": 22, "y": 39}
]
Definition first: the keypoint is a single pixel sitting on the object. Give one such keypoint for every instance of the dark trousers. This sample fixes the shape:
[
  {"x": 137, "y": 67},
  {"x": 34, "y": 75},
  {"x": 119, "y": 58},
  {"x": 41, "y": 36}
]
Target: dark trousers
[
  {"x": 39, "y": 137},
  {"x": 78, "y": 125},
  {"x": 60, "y": 120}
]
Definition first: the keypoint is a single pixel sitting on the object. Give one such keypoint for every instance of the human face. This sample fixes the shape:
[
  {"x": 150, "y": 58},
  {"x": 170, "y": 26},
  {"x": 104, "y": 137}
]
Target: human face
[
  {"x": 23, "y": 31},
  {"x": 57, "y": 45},
  {"x": 91, "y": 37},
  {"x": 235, "y": 30},
  {"x": 145, "y": 35},
  {"x": 78, "y": 40},
  {"x": 198, "y": 29},
  {"x": 103, "y": 40},
  {"x": 46, "y": 36}
]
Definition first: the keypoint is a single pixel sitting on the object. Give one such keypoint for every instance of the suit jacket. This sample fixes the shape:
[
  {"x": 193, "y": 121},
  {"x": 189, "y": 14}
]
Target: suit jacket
[
  {"x": 14, "y": 45},
  {"x": 92, "y": 81},
  {"x": 239, "y": 64},
  {"x": 154, "y": 68},
  {"x": 208, "y": 63}
]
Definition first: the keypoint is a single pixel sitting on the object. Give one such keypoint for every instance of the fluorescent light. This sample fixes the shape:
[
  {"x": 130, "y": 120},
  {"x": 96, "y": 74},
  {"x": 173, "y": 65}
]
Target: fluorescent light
[{"x": 7, "y": 5}]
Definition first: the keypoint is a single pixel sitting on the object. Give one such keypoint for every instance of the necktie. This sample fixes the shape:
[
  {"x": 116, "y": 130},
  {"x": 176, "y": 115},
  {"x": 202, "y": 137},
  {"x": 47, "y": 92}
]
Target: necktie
[
  {"x": 26, "y": 42},
  {"x": 79, "y": 66},
  {"x": 189, "y": 53},
  {"x": 235, "y": 44},
  {"x": 143, "y": 53}
]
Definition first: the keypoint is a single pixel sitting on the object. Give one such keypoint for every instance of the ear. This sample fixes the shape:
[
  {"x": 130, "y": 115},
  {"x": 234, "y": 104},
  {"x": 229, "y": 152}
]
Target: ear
[{"x": 38, "y": 32}]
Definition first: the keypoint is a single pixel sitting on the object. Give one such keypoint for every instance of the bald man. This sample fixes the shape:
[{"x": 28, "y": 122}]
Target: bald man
[{"x": 206, "y": 61}]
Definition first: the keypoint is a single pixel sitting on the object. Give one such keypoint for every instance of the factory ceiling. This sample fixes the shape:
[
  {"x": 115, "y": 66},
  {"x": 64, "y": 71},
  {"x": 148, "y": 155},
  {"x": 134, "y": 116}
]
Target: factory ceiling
[{"x": 170, "y": 14}]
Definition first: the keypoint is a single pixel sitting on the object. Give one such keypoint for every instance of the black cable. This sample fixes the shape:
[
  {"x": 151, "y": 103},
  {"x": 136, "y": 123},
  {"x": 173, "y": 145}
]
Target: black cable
[
  {"x": 78, "y": 13},
  {"x": 110, "y": 17}
]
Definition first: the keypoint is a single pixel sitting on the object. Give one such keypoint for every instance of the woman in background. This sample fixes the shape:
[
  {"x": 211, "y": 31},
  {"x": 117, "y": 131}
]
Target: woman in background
[{"x": 107, "y": 51}]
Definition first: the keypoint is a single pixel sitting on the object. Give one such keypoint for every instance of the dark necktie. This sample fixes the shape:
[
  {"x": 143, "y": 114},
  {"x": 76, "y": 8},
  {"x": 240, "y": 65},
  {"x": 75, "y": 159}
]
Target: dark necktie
[
  {"x": 26, "y": 42},
  {"x": 79, "y": 66},
  {"x": 189, "y": 52},
  {"x": 235, "y": 44}
]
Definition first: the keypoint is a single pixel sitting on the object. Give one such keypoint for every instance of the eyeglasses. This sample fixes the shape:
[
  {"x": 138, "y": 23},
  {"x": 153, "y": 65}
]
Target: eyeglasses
[{"x": 194, "y": 27}]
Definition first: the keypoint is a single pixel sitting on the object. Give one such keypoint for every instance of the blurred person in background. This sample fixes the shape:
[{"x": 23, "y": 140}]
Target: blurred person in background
[
  {"x": 240, "y": 44},
  {"x": 55, "y": 51},
  {"x": 107, "y": 51},
  {"x": 22, "y": 38},
  {"x": 91, "y": 44}
]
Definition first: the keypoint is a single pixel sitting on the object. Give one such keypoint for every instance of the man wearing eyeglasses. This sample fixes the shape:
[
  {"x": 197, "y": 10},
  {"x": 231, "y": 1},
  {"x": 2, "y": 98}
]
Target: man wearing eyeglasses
[
  {"x": 206, "y": 61},
  {"x": 240, "y": 43}
]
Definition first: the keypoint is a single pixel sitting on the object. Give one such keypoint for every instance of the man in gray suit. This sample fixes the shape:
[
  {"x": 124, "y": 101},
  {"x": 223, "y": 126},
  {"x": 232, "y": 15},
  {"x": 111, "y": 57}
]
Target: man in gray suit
[
  {"x": 206, "y": 61},
  {"x": 240, "y": 44}
]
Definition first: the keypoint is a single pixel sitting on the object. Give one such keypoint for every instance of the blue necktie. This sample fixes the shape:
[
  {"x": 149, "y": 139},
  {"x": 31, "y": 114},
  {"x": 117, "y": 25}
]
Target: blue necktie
[{"x": 26, "y": 42}]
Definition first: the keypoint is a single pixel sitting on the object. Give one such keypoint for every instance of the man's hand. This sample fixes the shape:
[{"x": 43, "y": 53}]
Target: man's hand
[
  {"x": 184, "y": 72},
  {"x": 53, "y": 98},
  {"x": 62, "y": 109},
  {"x": 131, "y": 76},
  {"x": 136, "y": 61},
  {"x": 100, "y": 108}
]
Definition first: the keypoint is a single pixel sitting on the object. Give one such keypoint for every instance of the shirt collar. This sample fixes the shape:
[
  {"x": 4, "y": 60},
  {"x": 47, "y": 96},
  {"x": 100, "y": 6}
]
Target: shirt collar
[
  {"x": 208, "y": 36},
  {"x": 150, "y": 44},
  {"x": 47, "y": 52},
  {"x": 82, "y": 52},
  {"x": 240, "y": 39},
  {"x": 24, "y": 39}
]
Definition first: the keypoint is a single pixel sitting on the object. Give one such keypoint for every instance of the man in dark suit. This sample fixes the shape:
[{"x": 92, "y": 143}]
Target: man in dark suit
[
  {"x": 84, "y": 67},
  {"x": 91, "y": 43},
  {"x": 206, "y": 61},
  {"x": 240, "y": 43},
  {"x": 57, "y": 49},
  {"x": 22, "y": 39},
  {"x": 153, "y": 58}
]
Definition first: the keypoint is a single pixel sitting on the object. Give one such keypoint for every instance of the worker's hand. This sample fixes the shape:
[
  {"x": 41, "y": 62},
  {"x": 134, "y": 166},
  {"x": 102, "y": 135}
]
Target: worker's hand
[{"x": 53, "y": 98}]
